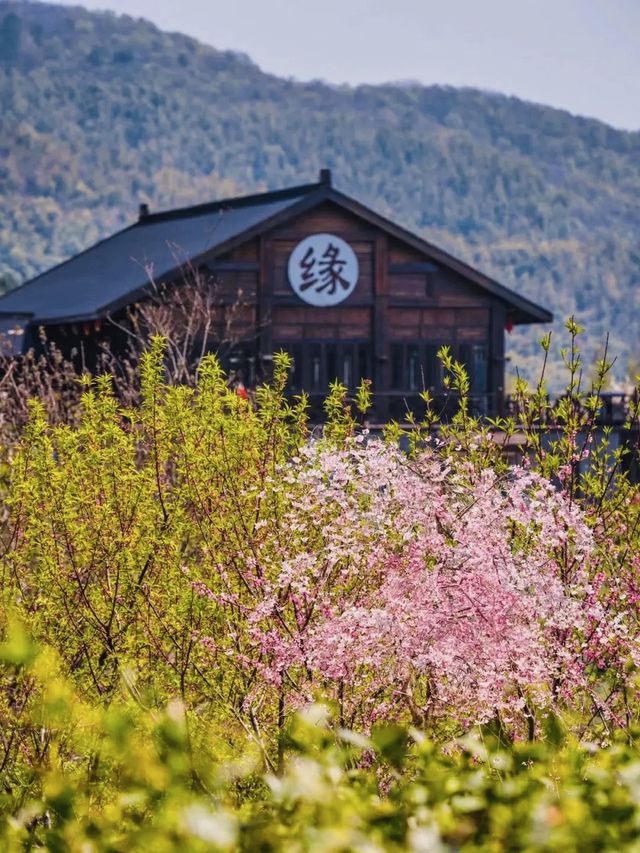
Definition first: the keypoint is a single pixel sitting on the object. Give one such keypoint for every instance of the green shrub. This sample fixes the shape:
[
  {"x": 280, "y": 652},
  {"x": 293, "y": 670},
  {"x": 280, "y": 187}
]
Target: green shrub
[
  {"x": 183, "y": 578},
  {"x": 127, "y": 779}
]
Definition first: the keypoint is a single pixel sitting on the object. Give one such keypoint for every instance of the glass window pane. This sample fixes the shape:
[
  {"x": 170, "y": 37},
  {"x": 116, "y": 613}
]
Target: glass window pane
[
  {"x": 397, "y": 369},
  {"x": 464, "y": 357},
  {"x": 347, "y": 367},
  {"x": 364, "y": 371},
  {"x": 480, "y": 376},
  {"x": 298, "y": 364},
  {"x": 295, "y": 371},
  {"x": 414, "y": 368},
  {"x": 431, "y": 363},
  {"x": 331, "y": 362},
  {"x": 316, "y": 367}
]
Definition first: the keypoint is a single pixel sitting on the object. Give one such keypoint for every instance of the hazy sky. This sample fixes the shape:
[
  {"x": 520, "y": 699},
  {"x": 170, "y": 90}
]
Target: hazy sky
[{"x": 581, "y": 55}]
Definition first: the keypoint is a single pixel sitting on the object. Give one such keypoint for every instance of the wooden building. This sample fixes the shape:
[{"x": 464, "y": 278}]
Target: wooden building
[{"x": 347, "y": 292}]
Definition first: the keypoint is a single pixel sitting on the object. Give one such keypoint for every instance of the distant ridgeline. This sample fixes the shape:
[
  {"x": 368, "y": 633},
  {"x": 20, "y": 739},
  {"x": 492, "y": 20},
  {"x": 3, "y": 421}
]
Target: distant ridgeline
[{"x": 99, "y": 112}]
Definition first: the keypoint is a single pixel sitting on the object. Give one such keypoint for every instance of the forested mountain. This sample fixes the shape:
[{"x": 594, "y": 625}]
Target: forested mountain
[{"x": 99, "y": 112}]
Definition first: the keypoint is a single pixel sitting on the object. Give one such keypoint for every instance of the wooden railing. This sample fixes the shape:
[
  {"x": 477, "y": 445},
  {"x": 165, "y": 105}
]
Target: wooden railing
[
  {"x": 395, "y": 405},
  {"x": 614, "y": 410}
]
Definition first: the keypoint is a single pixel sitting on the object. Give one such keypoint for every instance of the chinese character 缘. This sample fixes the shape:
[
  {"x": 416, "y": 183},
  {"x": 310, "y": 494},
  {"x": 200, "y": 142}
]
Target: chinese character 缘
[{"x": 329, "y": 269}]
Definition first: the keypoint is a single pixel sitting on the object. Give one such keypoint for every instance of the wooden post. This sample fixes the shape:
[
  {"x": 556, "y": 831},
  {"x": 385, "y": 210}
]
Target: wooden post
[
  {"x": 496, "y": 356},
  {"x": 264, "y": 310},
  {"x": 380, "y": 325}
]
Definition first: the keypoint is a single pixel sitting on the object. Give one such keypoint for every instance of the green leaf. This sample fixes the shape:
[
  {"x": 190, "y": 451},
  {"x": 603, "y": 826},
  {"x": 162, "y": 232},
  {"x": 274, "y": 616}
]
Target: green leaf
[{"x": 391, "y": 741}]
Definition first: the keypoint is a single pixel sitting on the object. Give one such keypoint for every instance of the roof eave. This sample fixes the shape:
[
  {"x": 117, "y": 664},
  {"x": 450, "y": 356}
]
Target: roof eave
[
  {"x": 535, "y": 314},
  {"x": 520, "y": 311}
]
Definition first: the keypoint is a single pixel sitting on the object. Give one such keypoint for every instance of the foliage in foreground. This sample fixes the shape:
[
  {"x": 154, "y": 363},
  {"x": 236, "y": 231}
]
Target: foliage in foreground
[
  {"x": 129, "y": 779},
  {"x": 195, "y": 571}
]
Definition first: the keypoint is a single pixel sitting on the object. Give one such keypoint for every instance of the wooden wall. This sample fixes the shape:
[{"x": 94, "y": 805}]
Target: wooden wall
[{"x": 402, "y": 295}]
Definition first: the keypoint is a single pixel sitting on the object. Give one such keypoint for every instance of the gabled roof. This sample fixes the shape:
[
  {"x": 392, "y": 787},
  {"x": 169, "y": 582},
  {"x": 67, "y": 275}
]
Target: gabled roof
[{"x": 116, "y": 271}]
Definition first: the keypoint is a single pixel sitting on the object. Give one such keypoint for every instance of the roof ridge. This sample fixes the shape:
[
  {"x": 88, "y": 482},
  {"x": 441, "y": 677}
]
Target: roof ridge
[{"x": 233, "y": 202}]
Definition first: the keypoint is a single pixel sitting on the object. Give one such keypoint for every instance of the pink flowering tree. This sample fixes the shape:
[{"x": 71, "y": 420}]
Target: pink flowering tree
[{"x": 400, "y": 587}]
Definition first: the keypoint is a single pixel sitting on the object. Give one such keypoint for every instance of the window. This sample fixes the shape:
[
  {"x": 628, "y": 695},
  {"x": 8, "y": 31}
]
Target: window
[
  {"x": 364, "y": 363},
  {"x": 480, "y": 374},
  {"x": 397, "y": 365},
  {"x": 416, "y": 367},
  {"x": 295, "y": 373},
  {"x": 474, "y": 358},
  {"x": 432, "y": 366},
  {"x": 330, "y": 357},
  {"x": 316, "y": 367},
  {"x": 347, "y": 367},
  {"x": 318, "y": 364}
]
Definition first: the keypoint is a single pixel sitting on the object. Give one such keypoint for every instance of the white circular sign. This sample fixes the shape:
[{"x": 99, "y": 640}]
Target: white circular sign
[{"x": 323, "y": 270}]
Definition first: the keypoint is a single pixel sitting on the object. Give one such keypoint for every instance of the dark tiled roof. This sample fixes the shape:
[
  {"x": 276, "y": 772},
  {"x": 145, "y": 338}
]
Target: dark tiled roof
[
  {"x": 115, "y": 272},
  {"x": 107, "y": 274}
]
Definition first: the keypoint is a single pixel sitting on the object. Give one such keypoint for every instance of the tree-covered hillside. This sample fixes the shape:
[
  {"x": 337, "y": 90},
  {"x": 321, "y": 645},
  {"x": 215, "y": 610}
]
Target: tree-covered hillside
[{"x": 99, "y": 112}]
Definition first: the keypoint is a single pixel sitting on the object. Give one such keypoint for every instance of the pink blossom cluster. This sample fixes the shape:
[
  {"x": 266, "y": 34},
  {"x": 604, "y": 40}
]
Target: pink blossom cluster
[{"x": 402, "y": 588}]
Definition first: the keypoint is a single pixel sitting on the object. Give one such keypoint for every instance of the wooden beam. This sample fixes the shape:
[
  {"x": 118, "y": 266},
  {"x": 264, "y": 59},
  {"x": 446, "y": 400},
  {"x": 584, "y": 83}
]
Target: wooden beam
[
  {"x": 232, "y": 266},
  {"x": 413, "y": 266}
]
